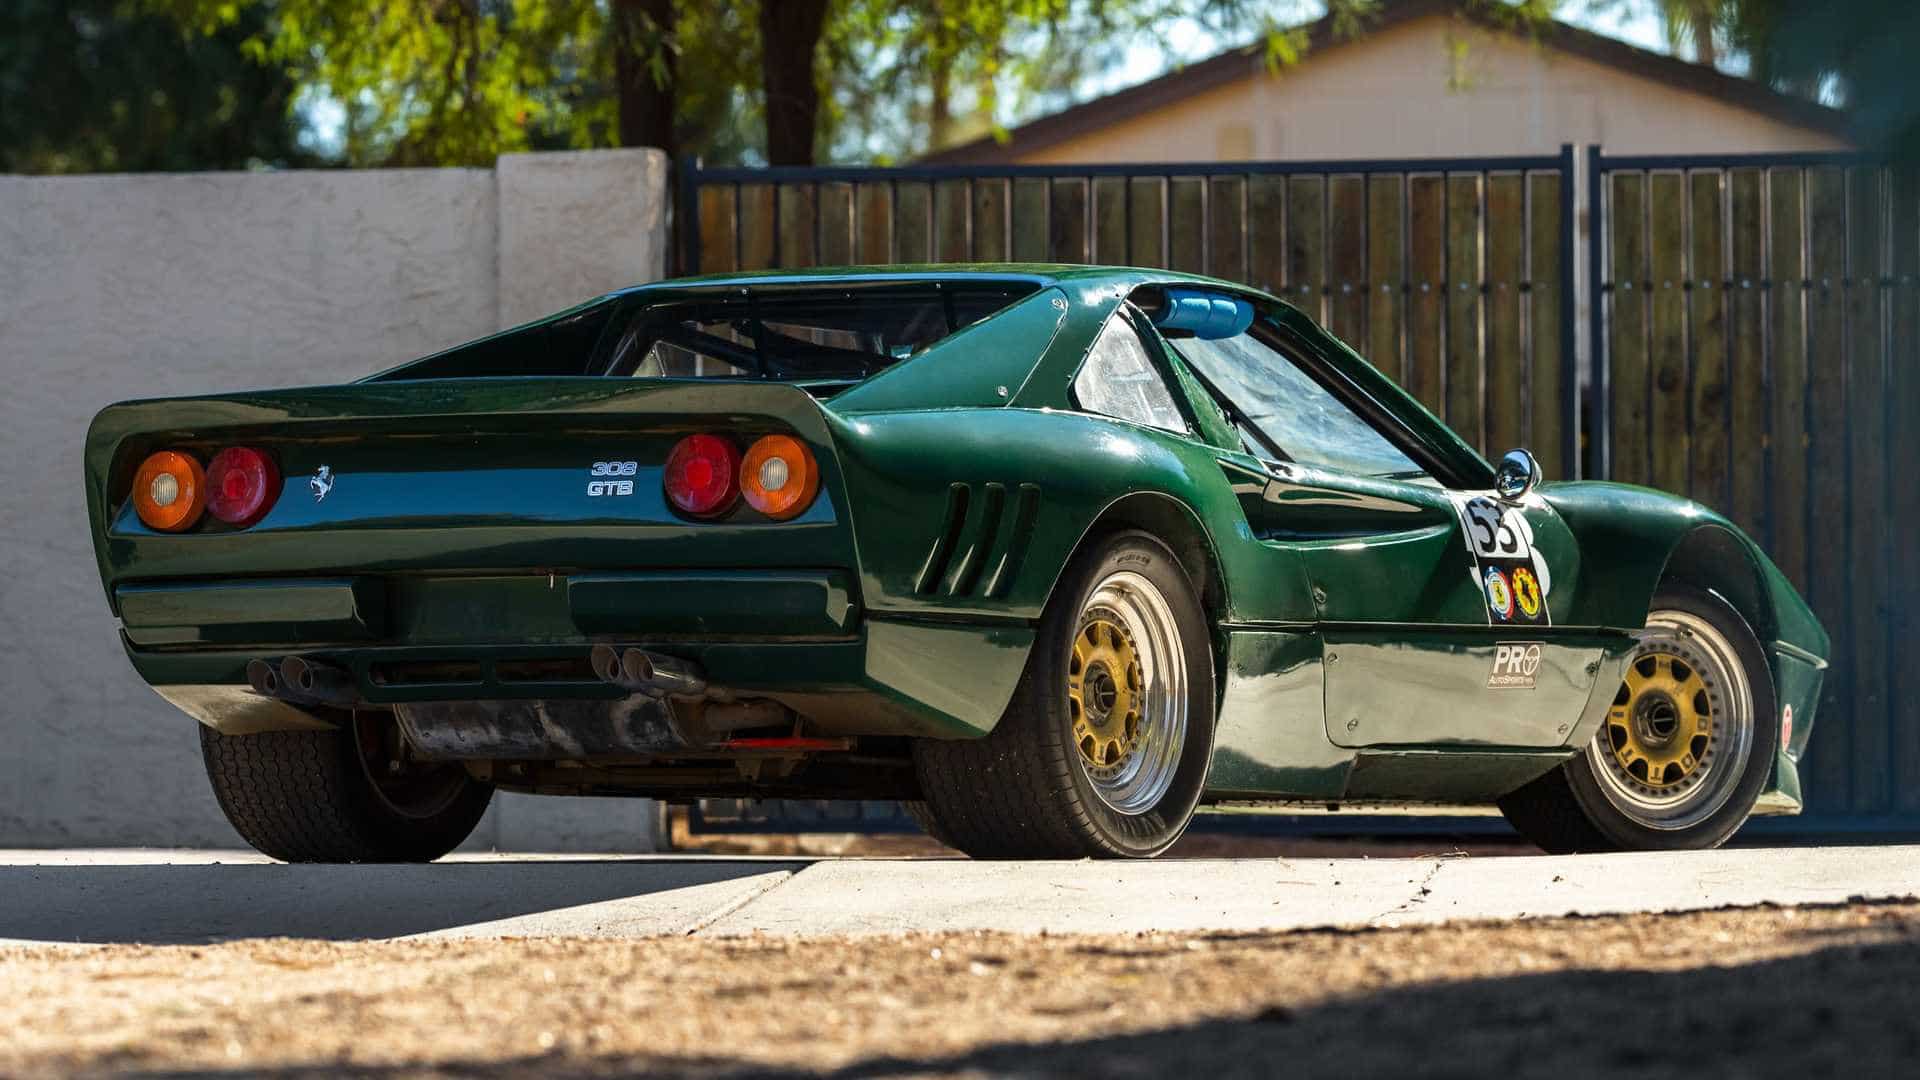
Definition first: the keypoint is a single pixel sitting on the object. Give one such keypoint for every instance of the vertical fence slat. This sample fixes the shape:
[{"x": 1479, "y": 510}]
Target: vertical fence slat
[
  {"x": 1866, "y": 429},
  {"x": 1827, "y": 469},
  {"x": 1787, "y": 361},
  {"x": 716, "y": 228},
  {"x": 1032, "y": 239},
  {"x": 1227, "y": 224},
  {"x": 1466, "y": 374},
  {"x": 1706, "y": 298},
  {"x": 799, "y": 203},
  {"x": 1506, "y": 360},
  {"x": 1903, "y": 450},
  {"x": 1386, "y": 274},
  {"x": 756, "y": 226},
  {"x": 1546, "y": 277},
  {"x": 1746, "y": 357},
  {"x": 1426, "y": 310},
  {"x": 875, "y": 217},
  {"x": 836, "y": 224},
  {"x": 1627, "y": 325},
  {"x": 989, "y": 221},
  {"x": 1186, "y": 232},
  {"x": 1144, "y": 219},
  {"x": 1067, "y": 225},
  {"x": 1347, "y": 258},
  {"x": 912, "y": 210},
  {"x": 951, "y": 209},
  {"x": 1267, "y": 232},
  {"x": 1667, "y": 347},
  {"x": 1307, "y": 244},
  {"x": 1109, "y": 220}
]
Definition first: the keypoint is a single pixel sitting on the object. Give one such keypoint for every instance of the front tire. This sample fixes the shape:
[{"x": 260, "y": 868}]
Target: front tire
[
  {"x": 1103, "y": 750},
  {"x": 1684, "y": 751},
  {"x": 349, "y": 795}
]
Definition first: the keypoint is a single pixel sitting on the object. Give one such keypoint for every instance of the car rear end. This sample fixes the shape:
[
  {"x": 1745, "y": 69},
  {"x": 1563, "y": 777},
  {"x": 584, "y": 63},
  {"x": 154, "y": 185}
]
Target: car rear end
[{"x": 568, "y": 577}]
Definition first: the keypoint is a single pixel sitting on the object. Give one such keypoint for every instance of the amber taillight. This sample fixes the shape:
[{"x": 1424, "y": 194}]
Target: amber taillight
[{"x": 170, "y": 491}]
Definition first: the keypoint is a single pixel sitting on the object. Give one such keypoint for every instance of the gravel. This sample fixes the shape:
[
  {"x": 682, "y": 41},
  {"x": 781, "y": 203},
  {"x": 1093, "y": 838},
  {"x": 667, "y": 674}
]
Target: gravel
[{"x": 1750, "y": 992}]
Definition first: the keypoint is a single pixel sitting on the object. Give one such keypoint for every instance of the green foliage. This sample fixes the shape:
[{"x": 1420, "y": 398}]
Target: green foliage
[{"x": 90, "y": 86}]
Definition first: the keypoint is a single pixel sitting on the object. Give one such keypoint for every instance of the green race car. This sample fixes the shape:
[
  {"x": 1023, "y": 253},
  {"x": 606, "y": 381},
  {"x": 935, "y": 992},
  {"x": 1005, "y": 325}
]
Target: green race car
[{"x": 1053, "y": 554}]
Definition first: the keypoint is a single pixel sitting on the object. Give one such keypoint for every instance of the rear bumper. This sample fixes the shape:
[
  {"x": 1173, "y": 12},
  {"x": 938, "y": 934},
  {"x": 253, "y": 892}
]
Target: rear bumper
[
  {"x": 308, "y": 612},
  {"x": 795, "y": 636}
]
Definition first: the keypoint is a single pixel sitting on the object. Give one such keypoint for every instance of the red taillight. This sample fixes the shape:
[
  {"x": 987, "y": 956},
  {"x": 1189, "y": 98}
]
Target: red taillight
[
  {"x": 242, "y": 484},
  {"x": 701, "y": 475}
]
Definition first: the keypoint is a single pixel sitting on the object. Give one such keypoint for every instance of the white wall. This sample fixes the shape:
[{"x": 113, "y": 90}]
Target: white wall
[{"x": 115, "y": 287}]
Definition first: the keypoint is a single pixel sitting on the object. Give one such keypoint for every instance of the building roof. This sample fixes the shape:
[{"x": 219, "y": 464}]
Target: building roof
[{"x": 1250, "y": 60}]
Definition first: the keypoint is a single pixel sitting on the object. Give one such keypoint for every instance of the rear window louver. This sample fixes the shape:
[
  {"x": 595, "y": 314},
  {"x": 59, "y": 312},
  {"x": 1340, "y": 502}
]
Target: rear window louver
[{"x": 981, "y": 543}]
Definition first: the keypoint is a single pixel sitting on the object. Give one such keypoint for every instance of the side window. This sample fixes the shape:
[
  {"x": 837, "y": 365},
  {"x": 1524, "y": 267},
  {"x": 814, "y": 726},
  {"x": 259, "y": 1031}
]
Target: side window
[
  {"x": 1293, "y": 411},
  {"x": 1119, "y": 380}
]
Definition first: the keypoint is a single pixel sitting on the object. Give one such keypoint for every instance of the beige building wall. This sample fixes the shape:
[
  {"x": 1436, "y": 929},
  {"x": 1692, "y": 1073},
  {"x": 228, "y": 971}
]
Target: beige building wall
[
  {"x": 1434, "y": 87},
  {"x": 117, "y": 287}
]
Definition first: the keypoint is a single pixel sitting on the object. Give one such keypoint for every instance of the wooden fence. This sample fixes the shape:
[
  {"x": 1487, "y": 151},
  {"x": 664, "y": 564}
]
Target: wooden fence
[
  {"x": 1450, "y": 275},
  {"x": 1760, "y": 340},
  {"x": 1753, "y": 337}
]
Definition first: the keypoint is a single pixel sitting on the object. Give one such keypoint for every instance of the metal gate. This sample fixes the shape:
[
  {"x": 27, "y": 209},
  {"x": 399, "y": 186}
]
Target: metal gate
[{"x": 1741, "y": 329}]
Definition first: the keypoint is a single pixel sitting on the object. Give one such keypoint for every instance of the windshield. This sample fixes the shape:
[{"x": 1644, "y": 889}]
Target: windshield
[{"x": 837, "y": 334}]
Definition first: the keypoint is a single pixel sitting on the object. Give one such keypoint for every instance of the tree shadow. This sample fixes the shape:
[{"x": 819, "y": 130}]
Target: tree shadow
[{"x": 1844, "y": 1010}]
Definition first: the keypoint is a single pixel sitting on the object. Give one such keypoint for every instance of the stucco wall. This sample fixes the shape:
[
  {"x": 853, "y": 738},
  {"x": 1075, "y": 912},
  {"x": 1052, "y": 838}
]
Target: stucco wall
[
  {"x": 118, "y": 287},
  {"x": 1434, "y": 87}
]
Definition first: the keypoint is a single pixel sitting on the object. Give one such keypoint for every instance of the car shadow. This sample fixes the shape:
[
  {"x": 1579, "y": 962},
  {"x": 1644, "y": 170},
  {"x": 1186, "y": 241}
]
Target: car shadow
[{"x": 180, "y": 904}]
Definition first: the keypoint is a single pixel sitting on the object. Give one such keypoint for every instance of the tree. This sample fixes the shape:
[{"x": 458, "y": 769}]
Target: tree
[
  {"x": 1858, "y": 53},
  {"x": 789, "y": 40},
  {"x": 89, "y": 86}
]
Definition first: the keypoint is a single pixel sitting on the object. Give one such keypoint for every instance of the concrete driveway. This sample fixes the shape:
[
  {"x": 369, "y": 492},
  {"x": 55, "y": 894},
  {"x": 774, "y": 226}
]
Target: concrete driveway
[{"x": 172, "y": 897}]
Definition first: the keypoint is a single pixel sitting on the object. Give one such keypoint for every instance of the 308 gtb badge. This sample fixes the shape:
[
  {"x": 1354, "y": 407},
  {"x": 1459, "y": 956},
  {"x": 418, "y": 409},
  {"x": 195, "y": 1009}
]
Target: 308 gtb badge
[{"x": 603, "y": 469}]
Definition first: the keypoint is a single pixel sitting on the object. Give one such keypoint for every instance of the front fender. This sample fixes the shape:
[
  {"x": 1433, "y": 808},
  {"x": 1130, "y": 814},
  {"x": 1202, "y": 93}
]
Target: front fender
[{"x": 1635, "y": 538}]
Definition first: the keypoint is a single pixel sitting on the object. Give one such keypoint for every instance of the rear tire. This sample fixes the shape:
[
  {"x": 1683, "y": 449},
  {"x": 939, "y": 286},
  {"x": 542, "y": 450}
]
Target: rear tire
[
  {"x": 1103, "y": 750},
  {"x": 1685, "y": 750},
  {"x": 311, "y": 796}
]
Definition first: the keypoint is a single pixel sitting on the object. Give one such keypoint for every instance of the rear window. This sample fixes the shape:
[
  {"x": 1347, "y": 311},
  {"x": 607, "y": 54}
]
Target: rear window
[{"x": 833, "y": 335}]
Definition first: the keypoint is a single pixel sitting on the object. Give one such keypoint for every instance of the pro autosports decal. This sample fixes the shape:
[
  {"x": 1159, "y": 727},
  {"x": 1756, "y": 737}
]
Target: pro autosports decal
[{"x": 1509, "y": 571}]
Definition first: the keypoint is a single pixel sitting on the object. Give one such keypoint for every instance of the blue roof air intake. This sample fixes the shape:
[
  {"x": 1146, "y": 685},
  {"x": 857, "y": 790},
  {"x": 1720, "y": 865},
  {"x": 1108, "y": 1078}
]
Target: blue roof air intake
[{"x": 1206, "y": 315}]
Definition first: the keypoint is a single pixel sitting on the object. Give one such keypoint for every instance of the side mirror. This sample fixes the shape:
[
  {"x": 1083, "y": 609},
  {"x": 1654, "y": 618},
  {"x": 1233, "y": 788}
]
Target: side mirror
[{"x": 1517, "y": 475}]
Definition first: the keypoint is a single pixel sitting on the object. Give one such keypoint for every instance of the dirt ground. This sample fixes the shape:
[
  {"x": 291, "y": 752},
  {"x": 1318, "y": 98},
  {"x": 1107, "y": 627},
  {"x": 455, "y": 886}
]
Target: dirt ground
[{"x": 1754, "y": 992}]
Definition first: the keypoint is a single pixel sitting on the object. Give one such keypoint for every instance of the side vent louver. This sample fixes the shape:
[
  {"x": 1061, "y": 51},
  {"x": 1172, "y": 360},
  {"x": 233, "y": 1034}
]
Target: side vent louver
[
  {"x": 955, "y": 520},
  {"x": 980, "y": 540}
]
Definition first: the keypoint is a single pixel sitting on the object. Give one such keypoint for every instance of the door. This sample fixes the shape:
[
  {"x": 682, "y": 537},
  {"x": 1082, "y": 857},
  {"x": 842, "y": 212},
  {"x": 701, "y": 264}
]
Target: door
[{"x": 1434, "y": 606}]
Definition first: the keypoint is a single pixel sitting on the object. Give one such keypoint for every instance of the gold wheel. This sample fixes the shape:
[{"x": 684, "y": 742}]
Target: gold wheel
[
  {"x": 1680, "y": 730},
  {"x": 1127, "y": 692},
  {"x": 1104, "y": 692},
  {"x": 1661, "y": 724}
]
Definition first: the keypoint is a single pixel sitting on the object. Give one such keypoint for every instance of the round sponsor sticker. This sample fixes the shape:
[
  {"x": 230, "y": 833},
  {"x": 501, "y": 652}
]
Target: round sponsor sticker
[
  {"x": 1526, "y": 591},
  {"x": 1499, "y": 594}
]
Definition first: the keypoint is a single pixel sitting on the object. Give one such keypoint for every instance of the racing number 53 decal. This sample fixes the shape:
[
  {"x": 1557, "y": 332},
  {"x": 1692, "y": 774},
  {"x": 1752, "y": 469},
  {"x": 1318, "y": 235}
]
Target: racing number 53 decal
[{"x": 1509, "y": 571}]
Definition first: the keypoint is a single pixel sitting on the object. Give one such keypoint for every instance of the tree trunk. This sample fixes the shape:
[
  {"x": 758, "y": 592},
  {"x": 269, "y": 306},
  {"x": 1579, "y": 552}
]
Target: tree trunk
[
  {"x": 789, "y": 35},
  {"x": 1703, "y": 50},
  {"x": 940, "y": 111},
  {"x": 643, "y": 69}
]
